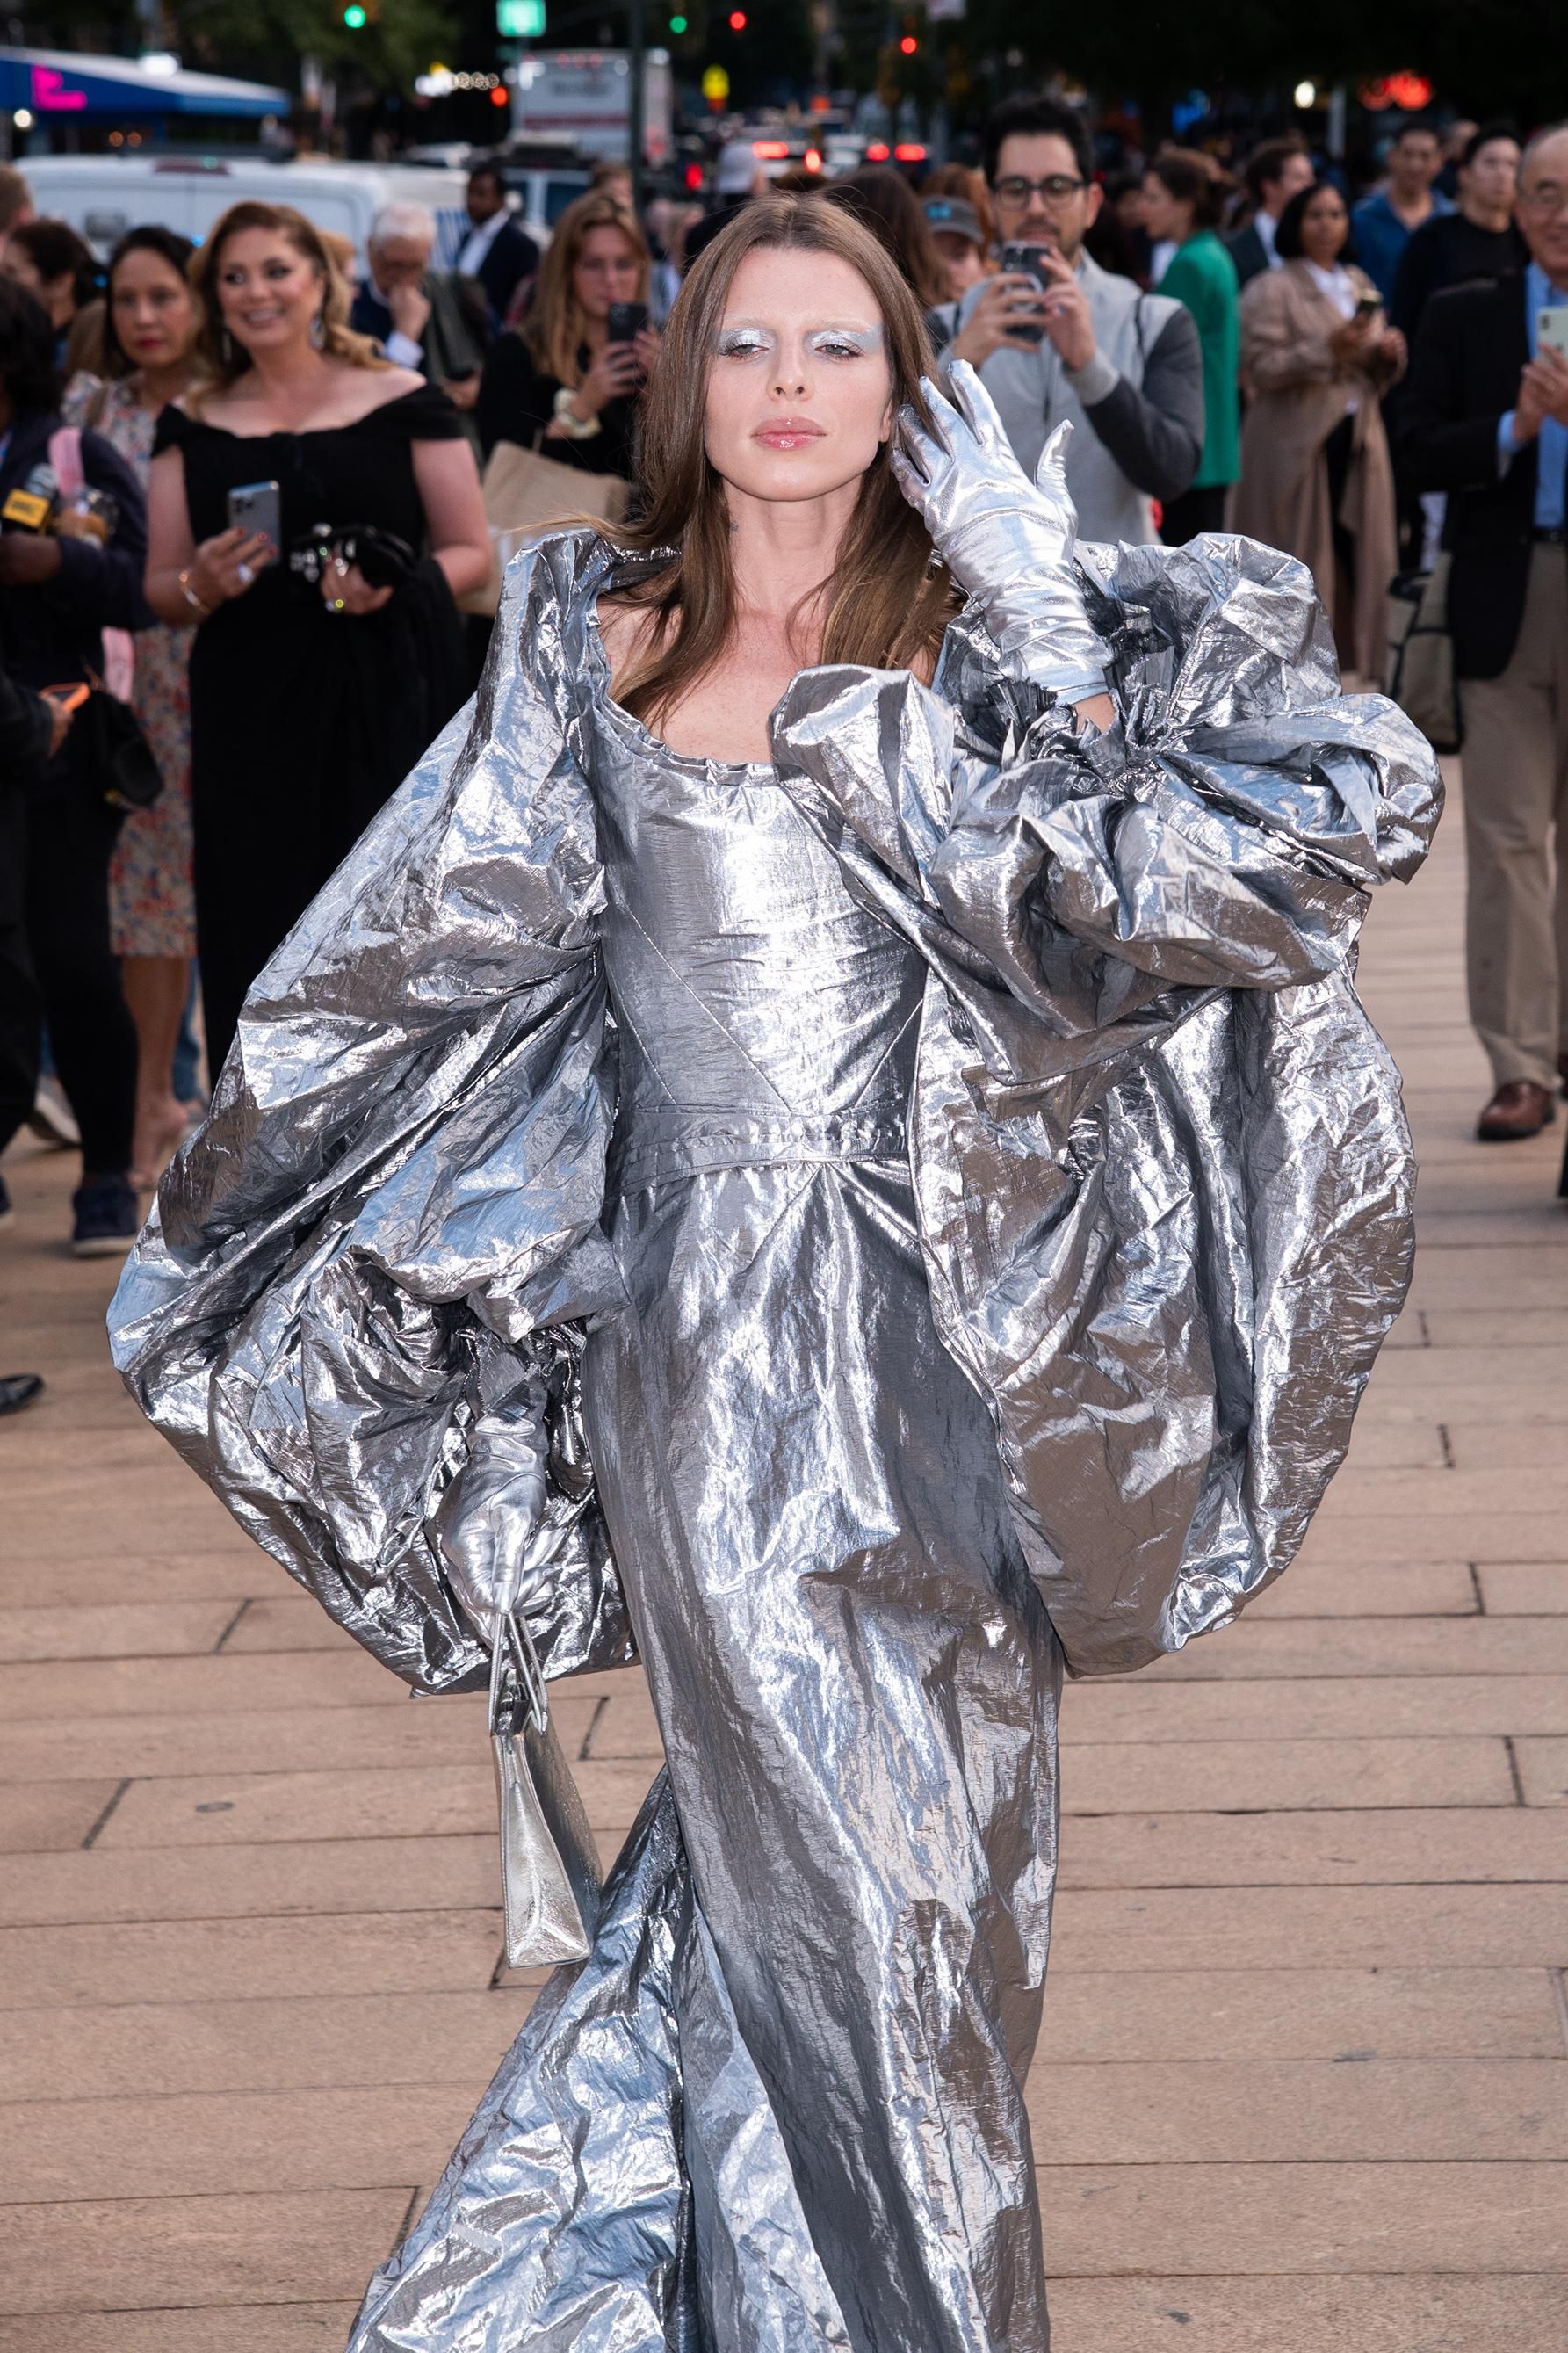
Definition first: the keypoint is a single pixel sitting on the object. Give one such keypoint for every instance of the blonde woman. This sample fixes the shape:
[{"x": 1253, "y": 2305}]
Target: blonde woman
[
  {"x": 322, "y": 664},
  {"x": 557, "y": 381},
  {"x": 751, "y": 1154}
]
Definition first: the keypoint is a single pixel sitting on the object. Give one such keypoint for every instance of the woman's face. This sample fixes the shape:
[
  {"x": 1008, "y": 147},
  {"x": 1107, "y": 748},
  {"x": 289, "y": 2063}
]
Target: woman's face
[
  {"x": 800, "y": 389},
  {"x": 154, "y": 312},
  {"x": 57, "y": 295},
  {"x": 607, "y": 271},
  {"x": 1163, "y": 215},
  {"x": 269, "y": 293},
  {"x": 964, "y": 264},
  {"x": 1324, "y": 226}
]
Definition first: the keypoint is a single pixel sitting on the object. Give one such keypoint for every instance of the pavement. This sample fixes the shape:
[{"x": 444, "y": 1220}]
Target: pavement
[{"x": 1304, "y": 2086}]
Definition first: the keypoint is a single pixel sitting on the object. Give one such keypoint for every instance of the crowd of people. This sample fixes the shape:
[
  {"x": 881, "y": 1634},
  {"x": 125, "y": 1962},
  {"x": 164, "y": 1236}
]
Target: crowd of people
[{"x": 254, "y": 503}]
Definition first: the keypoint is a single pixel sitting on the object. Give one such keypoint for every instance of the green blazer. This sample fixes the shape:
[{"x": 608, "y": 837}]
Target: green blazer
[{"x": 1202, "y": 276}]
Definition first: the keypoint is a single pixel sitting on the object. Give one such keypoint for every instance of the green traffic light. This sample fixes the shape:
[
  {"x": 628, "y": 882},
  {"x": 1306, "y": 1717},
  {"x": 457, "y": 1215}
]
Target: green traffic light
[
  {"x": 355, "y": 17},
  {"x": 678, "y": 23}
]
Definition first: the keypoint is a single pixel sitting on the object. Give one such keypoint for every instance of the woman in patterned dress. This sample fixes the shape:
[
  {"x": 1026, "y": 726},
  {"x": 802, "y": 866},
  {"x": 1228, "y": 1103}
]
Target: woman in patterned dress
[{"x": 148, "y": 360}]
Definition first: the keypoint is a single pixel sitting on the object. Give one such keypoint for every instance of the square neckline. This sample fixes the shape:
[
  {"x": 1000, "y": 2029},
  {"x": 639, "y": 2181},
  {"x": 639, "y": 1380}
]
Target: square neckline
[{"x": 643, "y": 736}]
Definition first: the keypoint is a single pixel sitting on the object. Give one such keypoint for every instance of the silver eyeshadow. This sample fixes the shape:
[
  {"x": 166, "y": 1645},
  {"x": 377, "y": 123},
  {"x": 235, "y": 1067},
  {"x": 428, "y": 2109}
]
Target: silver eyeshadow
[{"x": 835, "y": 342}]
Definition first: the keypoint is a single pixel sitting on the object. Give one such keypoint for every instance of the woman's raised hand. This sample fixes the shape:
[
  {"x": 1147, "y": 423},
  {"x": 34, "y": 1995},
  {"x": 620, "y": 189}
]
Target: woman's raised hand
[
  {"x": 616, "y": 372},
  {"x": 1008, "y": 541}
]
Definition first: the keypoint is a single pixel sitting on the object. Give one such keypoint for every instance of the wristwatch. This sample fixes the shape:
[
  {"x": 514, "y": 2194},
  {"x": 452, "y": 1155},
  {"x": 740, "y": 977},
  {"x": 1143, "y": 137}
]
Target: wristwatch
[{"x": 577, "y": 428}]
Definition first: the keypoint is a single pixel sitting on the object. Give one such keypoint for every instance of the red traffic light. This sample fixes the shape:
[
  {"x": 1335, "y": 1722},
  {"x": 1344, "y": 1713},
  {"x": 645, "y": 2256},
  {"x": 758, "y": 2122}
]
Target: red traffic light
[
  {"x": 737, "y": 20},
  {"x": 909, "y": 45}
]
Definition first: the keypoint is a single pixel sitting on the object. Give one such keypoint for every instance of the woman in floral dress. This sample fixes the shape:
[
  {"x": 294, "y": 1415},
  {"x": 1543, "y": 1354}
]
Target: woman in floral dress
[{"x": 149, "y": 329}]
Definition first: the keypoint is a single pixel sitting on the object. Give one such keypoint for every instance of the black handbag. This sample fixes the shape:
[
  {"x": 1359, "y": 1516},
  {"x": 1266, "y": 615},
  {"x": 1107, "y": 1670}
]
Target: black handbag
[{"x": 111, "y": 753}]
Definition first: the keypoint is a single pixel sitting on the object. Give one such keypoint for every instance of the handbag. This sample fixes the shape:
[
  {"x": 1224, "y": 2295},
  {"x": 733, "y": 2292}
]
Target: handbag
[
  {"x": 109, "y": 751},
  {"x": 525, "y": 491},
  {"x": 1420, "y": 676},
  {"x": 550, "y": 1881}
]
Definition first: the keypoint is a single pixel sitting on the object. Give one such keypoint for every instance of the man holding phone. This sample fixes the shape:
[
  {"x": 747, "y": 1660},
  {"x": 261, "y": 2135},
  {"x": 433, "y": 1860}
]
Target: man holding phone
[
  {"x": 1056, "y": 337},
  {"x": 1485, "y": 420}
]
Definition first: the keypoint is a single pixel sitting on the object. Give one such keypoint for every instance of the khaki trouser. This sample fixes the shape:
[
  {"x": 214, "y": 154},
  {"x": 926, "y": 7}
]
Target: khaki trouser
[{"x": 1516, "y": 834}]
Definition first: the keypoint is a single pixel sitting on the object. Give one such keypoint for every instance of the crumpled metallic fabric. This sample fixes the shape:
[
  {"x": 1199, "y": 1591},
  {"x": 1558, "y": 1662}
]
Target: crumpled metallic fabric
[{"x": 943, "y": 1197}]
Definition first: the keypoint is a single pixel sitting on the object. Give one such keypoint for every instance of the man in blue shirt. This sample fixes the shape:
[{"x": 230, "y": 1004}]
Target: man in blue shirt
[
  {"x": 1486, "y": 420},
  {"x": 1384, "y": 223}
]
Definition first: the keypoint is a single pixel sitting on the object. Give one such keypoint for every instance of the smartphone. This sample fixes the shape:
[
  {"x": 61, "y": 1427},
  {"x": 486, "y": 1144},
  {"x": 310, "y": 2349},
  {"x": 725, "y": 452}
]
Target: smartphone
[
  {"x": 1026, "y": 261},
  {"x": 627, "y": 321},
  {"x": 1367, "y": 304},
  {"x": 1552, "y": 328},
  {"x": 257, "y": 506}
]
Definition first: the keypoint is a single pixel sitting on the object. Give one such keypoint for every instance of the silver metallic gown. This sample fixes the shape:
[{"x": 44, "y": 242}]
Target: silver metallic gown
[{"x": 942, "y": 1198}]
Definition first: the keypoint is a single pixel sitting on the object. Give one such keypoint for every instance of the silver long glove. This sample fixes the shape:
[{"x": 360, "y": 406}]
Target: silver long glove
[
  {"x": 1007, "y": 541},
  {"x": 485, "y": 1524}
]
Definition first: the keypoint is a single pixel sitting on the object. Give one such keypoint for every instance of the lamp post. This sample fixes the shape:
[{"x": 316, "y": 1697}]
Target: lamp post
[{"x": 636, "y": 108}]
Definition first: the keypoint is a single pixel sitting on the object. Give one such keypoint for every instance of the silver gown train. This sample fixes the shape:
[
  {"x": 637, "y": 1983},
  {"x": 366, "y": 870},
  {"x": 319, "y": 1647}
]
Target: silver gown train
[{"x": 941, "y": 1197}]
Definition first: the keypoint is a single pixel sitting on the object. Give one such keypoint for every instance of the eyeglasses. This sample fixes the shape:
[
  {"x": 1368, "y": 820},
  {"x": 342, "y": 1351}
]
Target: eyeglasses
[{"x": 1015, "y": 190}]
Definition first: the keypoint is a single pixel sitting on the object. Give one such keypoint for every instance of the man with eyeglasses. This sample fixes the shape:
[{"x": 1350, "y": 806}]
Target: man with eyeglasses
[
  {"x": 1074, "y": 342},
  {"x": 1485, "y": 420}
]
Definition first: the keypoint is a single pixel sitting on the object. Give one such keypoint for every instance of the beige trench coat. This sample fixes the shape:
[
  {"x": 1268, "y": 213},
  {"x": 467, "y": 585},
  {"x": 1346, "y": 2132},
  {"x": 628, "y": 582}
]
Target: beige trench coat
[{"x": 1300, "y": 391}]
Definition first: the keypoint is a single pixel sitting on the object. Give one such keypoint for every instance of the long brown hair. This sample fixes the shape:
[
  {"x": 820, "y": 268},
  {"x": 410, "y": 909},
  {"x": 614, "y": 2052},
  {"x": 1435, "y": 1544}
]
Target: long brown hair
[
  {"x": 888, "y": 603},
  {"x": 556, "y": 327},
  {"x": 223, "y": 359}
]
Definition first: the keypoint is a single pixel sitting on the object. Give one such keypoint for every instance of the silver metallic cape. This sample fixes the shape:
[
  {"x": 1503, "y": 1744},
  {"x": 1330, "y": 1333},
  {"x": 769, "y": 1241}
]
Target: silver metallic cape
[{"x": 941, "y": 1197}]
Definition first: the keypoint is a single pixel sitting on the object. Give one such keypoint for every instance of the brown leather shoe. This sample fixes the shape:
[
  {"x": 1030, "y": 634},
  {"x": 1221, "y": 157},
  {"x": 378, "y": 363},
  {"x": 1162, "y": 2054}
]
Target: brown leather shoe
[{"x": 1519, "y": 1109}]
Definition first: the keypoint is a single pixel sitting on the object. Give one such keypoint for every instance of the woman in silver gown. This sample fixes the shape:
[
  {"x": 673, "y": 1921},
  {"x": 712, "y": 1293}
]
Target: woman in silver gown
[{"x": 905, "y": 1212}]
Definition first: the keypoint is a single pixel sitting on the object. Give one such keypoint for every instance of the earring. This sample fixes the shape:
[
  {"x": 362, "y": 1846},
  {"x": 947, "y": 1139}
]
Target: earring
[{"x": 318, "y": 330}]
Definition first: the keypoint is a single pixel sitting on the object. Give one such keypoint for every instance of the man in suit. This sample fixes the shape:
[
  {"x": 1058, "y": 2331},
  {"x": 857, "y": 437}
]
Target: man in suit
[
  {"x": 1485, "y": 420},
  {"x": 436, "y": 320},
  {"x": 498, "y": 250},
  {"x": 1274, "y": 173}
]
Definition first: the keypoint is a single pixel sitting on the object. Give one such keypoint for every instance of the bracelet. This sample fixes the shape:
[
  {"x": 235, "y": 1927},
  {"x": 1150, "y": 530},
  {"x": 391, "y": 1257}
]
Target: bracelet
[
  {"x": 202, "y": 612},
  {"x": 577, "y": 428}
]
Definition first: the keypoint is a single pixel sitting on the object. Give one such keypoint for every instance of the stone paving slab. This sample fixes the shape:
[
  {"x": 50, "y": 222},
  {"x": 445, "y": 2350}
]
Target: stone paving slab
[
  {"x": 1346, "y": 2015},
  {"x": 1508, "y": 1845},
  {"x": 1387, "y": 1927},
  {"x": 86, "y": 2255},
  {"x": 1271, "y": 2219},
  {"x": 364, "y": 1953},
  {"x": 256, "y": 2328},
  {"x": 1148, "y": 2111},
  {"x": 38, "y": 1816},
  {"x": 1524, "y": 1588},
  {"x": 1366, "y": 2314},
  {"x": 145, "y": 2049}
]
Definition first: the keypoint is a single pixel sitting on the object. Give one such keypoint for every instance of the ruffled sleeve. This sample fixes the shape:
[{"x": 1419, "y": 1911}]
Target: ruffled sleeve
[
  {"x": 389, "y": 1226},
  {"x": 1162, "y": 1169}
]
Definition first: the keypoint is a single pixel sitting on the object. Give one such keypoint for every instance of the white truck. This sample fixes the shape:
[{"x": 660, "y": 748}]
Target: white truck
[
  {"x": 103, "y": 195},
  {"x": 584, "y": 95}
]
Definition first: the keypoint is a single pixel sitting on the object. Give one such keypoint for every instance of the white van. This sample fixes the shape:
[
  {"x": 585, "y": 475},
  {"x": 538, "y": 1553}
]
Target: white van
[{"x": 103, "y": 195}]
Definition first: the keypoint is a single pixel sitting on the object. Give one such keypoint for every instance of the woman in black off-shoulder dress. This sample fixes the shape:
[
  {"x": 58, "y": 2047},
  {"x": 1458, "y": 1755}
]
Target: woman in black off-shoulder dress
[{"x": 306, "y": 710}]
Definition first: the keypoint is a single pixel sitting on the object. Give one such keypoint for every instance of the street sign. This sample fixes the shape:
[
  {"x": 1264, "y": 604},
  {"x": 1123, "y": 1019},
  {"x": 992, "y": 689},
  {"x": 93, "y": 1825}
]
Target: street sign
[{"x": 520, "y": 20}]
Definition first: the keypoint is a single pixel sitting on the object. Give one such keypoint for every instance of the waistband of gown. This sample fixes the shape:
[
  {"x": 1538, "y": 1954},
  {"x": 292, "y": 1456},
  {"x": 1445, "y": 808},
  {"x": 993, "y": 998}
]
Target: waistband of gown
[{"x": 668, "y": 1141}]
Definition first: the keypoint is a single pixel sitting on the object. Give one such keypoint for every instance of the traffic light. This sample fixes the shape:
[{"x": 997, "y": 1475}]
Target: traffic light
[
  {"x": 737, "y": 20},
  {"x": 355, "y": 16},
  {"x": 909, "y": 45},
  {"x": 678, "y": 25}
]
